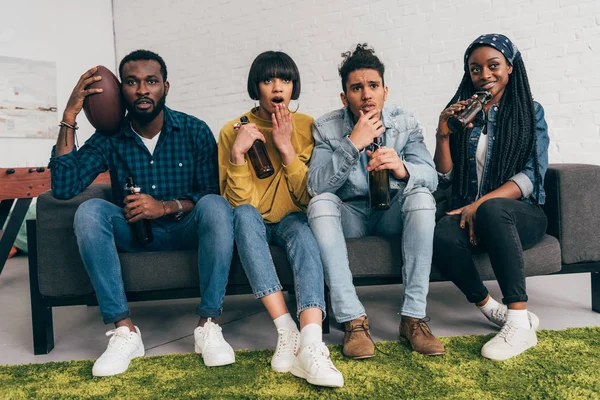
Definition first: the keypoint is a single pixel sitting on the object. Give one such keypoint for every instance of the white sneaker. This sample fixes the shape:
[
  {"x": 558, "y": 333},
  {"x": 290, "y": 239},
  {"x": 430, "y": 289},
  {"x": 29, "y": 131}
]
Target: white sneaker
[
  {"x": 288, "y": 342},
  {"x": 498, "y": 317},
  {"x": 511, "y": 341},
  {"x": 314, "y": 365},
  {"x": 123, "y": 347},
  {"x": 210, "y": 343}
]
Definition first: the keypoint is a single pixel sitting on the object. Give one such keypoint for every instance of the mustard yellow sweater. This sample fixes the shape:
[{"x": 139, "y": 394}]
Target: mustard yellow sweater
[{"x": 282, "y": 193}]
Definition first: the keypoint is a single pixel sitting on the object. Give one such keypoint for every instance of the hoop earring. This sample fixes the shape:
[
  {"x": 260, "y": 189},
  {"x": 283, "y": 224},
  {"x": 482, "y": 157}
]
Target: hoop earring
[{"x": 297, "y": 107}]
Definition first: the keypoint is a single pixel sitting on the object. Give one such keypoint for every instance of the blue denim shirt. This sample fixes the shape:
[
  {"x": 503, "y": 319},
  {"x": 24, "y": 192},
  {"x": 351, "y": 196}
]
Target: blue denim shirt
[
  {"x": 524, "y": 179},
  {"x": 338, "y": 167}
]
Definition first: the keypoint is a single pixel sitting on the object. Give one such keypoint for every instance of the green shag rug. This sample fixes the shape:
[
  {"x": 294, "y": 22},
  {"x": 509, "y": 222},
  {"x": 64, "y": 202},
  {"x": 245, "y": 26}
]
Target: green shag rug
[{"x": 564, "y": 365}]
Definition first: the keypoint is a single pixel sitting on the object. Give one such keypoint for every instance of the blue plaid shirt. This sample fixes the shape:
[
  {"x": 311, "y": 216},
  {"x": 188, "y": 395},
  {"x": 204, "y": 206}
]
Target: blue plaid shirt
[{"x": 184, "y": 164}]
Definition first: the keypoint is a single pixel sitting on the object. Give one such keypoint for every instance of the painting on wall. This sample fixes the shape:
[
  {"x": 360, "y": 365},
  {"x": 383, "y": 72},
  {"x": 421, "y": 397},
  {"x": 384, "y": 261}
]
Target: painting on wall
[{"x": 27, "y": 98}]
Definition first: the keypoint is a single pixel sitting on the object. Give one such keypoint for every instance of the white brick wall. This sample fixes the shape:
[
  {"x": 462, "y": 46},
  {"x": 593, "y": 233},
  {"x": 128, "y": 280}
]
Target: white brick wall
[{"x": 209, "y": 46}]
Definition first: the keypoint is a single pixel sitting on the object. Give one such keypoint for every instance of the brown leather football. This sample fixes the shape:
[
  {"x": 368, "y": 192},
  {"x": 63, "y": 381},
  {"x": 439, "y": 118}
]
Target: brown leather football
[{"x": 105, "y": 110}]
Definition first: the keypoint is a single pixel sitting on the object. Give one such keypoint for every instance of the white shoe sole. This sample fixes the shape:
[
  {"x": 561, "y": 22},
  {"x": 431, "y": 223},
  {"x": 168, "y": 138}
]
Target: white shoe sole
[
  {"x": 222, "y": 359},
  {"x": 314, "y": 380},
  {"x": 499, "y": 355},
  {"x": 139, "y": 353}
]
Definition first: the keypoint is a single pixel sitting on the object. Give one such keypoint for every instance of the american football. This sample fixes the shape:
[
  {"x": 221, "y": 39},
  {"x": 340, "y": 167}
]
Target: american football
[{"x": 105, "y": 110}]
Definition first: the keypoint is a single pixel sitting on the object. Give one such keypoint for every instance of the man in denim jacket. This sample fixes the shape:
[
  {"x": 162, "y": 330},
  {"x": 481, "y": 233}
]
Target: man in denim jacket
[{"x": 338, "y": 182}]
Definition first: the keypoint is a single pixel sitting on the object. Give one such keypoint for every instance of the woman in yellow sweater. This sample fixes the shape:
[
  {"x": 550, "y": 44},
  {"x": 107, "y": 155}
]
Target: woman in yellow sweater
[{"x": 272, "y": 211}]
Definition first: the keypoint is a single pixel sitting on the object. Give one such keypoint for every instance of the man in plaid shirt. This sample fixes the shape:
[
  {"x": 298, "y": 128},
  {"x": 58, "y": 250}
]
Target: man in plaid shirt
[{"x": 172, "y": 156}]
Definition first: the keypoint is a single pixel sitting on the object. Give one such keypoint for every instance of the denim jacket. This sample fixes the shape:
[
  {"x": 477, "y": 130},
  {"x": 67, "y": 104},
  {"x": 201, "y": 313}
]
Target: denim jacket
[
  {"x": 524, "y": 179},
  {"x": 338, "y": 167}
]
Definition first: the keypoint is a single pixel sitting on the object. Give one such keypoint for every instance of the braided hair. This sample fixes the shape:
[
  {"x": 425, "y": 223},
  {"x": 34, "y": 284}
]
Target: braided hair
[{"x": 515, "y": 140}]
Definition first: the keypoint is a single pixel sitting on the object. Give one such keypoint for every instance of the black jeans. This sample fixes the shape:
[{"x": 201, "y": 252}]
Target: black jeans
[{"x": 504, "y": 228}]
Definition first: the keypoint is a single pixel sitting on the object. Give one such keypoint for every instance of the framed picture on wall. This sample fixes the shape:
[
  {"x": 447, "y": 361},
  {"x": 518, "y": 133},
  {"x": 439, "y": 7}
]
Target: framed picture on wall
[{"x": 27, "y": 98}]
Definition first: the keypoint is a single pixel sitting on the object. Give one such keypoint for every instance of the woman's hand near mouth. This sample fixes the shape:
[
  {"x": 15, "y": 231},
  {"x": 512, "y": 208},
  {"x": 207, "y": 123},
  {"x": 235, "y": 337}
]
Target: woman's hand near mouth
[{"x": 282, "y": 133}]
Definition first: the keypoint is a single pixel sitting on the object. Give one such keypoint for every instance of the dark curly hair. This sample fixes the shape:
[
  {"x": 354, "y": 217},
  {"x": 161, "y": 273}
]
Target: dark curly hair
[{"x": 363, "y": 57}]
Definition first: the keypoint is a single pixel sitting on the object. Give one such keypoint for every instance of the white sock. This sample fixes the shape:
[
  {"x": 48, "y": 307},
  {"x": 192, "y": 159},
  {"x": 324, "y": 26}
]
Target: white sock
[
  {"x": 519, "y": 318},
  {"x": 490, "y": 306},
  {"x": 285, "y": 321},
  {"x": 310, "y": 334}
]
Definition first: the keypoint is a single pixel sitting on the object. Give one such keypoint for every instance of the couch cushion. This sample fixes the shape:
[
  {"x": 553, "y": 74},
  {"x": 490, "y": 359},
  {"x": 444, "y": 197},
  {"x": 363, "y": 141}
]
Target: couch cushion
[
  {"x": 153, "y": 271},
  {"x": 370, "y": 257},
  {"x": 382, "y": 257},
  {"x": 178, "y": 270}
]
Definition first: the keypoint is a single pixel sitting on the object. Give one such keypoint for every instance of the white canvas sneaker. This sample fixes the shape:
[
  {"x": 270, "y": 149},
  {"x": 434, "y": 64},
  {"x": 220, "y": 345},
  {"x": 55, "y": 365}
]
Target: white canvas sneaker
[
  {"x": 288, "y": 341},
  {"x": 123, "y": 347},
  {"x": 511, "y": 341},
  {"x": 314, "y": 365},
  {"x": 210, "y": 343},
  {"x": 498, "y": 317}
]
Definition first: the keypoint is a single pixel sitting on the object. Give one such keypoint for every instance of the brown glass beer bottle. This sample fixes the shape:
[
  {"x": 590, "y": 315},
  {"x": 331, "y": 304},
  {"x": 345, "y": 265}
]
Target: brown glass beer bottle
[
  {"x": 379, "y": 183},
  {"x": 475, "y": 104},
  {"x": 259, "y": 158}
]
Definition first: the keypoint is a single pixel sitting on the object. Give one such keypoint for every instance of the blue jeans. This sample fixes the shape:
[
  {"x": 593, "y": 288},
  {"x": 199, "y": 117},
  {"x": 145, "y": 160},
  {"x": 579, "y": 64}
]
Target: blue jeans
[
  {"x": 101, "y": 230},
  {"x": 252, "y": 238},
  {"x": 410, "y": 215}
]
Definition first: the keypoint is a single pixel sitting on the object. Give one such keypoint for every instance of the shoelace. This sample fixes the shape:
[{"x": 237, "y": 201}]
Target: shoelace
[
  {"x": 212, "y": 334},
  {"x": 422, "y": 325},
  {"x": 362, "y": 327},
  {"x": 320, "y": 354},
  {"x": 507, "y": 332},
  {"x": 114, "y": 334},
  {"x": 499, "y": 314},
  {"x": 287, "y": 341}
]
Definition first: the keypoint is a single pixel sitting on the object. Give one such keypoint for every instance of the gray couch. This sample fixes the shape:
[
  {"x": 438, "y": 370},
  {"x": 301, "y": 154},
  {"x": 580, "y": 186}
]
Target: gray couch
[{"x": 57, "y": 276}]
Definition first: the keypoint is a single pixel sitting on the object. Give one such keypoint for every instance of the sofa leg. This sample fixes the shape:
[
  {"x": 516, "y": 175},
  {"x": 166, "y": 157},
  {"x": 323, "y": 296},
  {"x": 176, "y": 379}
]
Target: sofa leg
[
  {"x": 596, "y": 291},
  {"x": 41, "y": 314},
  {"x": 43, "y": 329}
]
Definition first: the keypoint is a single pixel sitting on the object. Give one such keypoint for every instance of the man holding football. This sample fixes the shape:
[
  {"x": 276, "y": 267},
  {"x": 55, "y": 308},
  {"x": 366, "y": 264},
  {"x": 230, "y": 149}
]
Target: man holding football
[{"x": 172, "y": 156}]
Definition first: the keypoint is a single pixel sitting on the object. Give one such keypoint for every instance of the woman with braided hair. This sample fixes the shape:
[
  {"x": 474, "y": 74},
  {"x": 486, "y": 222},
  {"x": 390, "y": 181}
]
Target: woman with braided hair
[{"x": 496, "y": 167}]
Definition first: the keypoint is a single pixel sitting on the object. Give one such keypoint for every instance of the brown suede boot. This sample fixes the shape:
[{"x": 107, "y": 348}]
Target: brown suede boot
[
  {"x": 416, "y": 331},
  {"x": 357, "y": 340}
]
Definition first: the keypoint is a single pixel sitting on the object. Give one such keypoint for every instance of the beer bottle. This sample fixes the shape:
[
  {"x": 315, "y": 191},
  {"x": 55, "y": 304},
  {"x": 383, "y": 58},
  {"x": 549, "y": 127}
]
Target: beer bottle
[
  {"x": 475, "y": 104},
  {"x": 142, "y": 229},
  {"x": 379, "y": 183},
  {"x": 259, "y": 157}
]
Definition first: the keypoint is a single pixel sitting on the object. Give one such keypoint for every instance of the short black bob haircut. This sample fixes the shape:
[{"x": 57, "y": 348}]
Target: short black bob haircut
[
  {"x": 138, "y": 55},
  {"x": 363, "y": 57},
  {"x": 273, "y": 64}
]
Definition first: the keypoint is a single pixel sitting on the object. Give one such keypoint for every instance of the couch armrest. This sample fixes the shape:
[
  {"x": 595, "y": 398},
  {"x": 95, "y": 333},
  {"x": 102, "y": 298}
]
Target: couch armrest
[
  {"x": 53, "y": 213},
  {"x": 573, "y": 210},
  {"x": 60, "y": 269}
]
